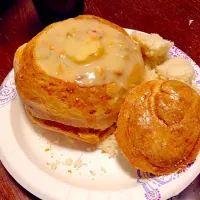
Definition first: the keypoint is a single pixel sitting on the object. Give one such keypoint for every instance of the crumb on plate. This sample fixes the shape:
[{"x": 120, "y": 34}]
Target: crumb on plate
[
  {"x": 53, "y": 166},
  {"x": 68, "y": 162},
  {"x": 47, "y": 149},
  {"x": 92, "y": 173},
  {"x": 78, "y": 163},
  {"x": 109, "y": 146},
  {"x": 103, "y": 169}
]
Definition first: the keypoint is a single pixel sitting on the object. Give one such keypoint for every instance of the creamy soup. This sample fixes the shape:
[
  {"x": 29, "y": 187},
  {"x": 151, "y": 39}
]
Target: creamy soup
[{"x": 87, "y": 52}]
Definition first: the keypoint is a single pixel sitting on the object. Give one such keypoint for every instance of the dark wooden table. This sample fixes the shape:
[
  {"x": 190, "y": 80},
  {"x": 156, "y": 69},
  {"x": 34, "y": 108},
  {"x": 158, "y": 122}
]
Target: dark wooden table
[{"x": 170, "y": 18}]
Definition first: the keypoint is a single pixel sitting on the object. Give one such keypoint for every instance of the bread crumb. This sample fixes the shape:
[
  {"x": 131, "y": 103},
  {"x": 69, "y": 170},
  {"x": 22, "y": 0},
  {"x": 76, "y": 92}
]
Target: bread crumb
[
  {"x": 52, "y": 165},
  {"x": 47, "y": 149},
  {"x": 57, "y": 162},
  {"x": 109, "y": 146},
  {"x": 68, "y": 162},
  {"x": 92, "y": 173},
  {"x": 85, "y": 164},
  {"x": 78, "y": 163},
  {"x": 176, "y": 69},
  {"x": 69, "y": 171},
  {"x": 103, "y": 169}
]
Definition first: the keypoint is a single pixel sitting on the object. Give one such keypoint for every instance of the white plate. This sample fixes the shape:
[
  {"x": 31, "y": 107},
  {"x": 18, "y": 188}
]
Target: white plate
[{"x": 22, "y": 152}]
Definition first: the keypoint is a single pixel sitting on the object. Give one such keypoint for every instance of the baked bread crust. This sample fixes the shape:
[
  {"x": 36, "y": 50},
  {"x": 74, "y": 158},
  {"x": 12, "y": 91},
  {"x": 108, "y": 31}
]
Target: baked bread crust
[
  {"x": 49, "y": 98},
  {"x": 91, "y": 136},
  {"x": 159, "y": 126}
]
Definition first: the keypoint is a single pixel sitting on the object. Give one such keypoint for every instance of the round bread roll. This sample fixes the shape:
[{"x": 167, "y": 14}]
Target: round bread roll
[
  {"x": 76, "y": 73},
  {"x": 158, "y": 128}
]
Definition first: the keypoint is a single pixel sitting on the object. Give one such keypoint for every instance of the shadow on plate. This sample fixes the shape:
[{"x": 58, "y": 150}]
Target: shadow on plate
[
  {"x": 17, "y": 112},
  {"x": 126, "y": 166}
]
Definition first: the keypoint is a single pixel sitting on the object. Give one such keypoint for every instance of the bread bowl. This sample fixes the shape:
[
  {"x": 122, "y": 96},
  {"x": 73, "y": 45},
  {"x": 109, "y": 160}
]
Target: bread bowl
[
  {"x": 76, "y": 73},
  {"x": 158, "y": 128}
]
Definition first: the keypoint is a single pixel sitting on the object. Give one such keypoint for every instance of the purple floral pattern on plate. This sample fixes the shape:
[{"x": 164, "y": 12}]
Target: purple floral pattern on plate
[
  {"x": 151, "y": 183},
  {"x": 176, "y": 52},
  {"x": 7, "y": 89}
]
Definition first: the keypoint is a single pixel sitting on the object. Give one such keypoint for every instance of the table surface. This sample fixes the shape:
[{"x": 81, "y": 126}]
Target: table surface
[{"x": 177, "y": 20}]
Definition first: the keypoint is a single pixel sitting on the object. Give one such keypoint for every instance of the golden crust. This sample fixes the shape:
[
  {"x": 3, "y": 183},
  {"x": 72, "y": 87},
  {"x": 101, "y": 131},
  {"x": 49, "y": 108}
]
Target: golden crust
[
  {"x": 50, "y": 98},
  {"x": 91, "y": 136},
  {"x": 159, "y": 126},
  {"x": 54, "y": 99}
]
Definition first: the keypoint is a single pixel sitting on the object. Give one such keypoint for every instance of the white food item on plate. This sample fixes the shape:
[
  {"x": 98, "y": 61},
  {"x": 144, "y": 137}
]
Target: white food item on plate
[
  {"x": 68, "y": 162},
  {"x": 78, "y": 163},
  {"x": 103, "y": 169},
  {"x": 109, "y": 146},
  {"x": 92, "y": 173},
  {"x": 176, "y": 69},
  {"x": 154, "y": 47}
]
